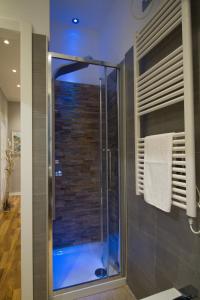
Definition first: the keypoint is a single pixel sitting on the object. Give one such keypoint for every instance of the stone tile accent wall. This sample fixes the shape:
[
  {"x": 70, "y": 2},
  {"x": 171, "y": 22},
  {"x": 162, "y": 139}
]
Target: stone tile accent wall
[
  {"x": 77, "y": 150},
  {"x": 162, "y": 251}
]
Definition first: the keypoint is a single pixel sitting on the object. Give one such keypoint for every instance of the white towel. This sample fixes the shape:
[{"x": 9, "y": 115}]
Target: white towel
[{"x": 158, "y": 170}]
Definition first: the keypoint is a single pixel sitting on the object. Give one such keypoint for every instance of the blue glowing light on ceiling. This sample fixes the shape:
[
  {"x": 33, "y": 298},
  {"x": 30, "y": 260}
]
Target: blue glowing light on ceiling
[{"x": 75, "y": 20}]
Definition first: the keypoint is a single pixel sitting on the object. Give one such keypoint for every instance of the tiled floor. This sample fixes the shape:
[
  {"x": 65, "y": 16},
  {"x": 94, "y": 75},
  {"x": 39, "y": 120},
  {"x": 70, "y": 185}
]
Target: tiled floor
[{"x": 76, "y": 264}]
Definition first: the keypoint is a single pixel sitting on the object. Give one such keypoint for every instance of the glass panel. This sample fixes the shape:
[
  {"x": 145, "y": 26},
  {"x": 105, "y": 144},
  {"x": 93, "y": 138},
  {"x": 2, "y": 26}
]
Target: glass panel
[
  {"x": 104, "y": 171},
  {"x": 113, "y": 173},
  {"x": 85, "y": 239},
  {"x": 110, "y": 167},
  {"x": 110, "y": 179}
]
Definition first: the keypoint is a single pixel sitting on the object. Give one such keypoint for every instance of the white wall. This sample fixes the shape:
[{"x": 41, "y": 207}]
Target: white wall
[
  {"x": 109, "y": 40},
  {"x": 35, "y": 12},
  {"x": 119, "y": 29},
  {"x": 14, "y": 125},
  {"x": 76, "y": 42}
]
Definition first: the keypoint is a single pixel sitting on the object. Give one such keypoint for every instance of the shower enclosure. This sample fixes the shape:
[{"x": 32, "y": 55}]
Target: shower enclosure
[{"x": 84, "y": 171}]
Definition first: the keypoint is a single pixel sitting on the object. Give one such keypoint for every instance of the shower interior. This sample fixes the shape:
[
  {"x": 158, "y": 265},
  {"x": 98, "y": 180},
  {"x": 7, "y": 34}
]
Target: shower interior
[{"x": 86, "y": 210}]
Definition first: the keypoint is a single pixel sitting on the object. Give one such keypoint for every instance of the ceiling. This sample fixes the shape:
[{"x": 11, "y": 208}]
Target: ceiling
[
  {"x": 9, "y": 60},
  {"x": 91, "y": 13}
]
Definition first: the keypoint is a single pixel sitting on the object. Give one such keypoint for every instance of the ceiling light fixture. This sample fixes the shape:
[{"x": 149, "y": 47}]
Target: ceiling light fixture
[
  {"x": 75, "y": 20},
  {"x": 6, "y": 42},
  {"x": 14, "y": 71},
  {"x": 18, "y": 85}
]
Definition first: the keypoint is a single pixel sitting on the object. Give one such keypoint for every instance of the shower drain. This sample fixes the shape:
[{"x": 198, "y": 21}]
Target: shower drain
[{"x": 101, "y": 273}]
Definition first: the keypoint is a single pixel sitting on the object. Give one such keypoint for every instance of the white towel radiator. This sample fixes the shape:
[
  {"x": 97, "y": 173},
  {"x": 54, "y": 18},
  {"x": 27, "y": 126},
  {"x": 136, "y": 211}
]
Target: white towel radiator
[{"x": 168, "y": 82}]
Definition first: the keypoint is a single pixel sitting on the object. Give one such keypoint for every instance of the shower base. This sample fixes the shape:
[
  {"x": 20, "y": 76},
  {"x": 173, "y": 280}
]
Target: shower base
[{"x": 77, "y": 264}]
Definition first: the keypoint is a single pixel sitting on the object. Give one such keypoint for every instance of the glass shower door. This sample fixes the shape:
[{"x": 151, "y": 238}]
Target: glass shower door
[
  {"x": 85, "y": 229},
  {"x": 104, "y": 176},
  {"x": 110, "y": 172}
]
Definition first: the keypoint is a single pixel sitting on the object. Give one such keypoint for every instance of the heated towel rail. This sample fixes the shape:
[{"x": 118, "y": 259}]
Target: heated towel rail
[{"x": 168, "y": 82}]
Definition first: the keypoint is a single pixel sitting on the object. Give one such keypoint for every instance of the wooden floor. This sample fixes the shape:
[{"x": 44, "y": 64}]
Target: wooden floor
[
  {"x": 122, "y": 293},
  {"x": 10, "y": 282}
]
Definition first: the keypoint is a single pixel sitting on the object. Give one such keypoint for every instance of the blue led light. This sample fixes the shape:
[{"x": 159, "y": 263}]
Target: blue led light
[{"x": 75, "y": 20}]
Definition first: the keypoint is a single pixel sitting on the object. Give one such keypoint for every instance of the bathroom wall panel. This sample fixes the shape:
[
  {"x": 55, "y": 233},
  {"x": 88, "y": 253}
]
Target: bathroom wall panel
[
  {"x": 162, "y": 251},
  {"x": 40, "y": 206},
  {"x": 164, "y": 48},
  {"x": 77, "y": 191},
  {"x": 170, "y": 119}
]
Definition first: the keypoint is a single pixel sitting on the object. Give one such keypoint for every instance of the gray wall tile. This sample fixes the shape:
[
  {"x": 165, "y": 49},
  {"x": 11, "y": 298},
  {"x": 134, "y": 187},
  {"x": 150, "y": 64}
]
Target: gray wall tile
[
  {"x": 162, "y": 251},
  {"x": 40, "y": 213}
]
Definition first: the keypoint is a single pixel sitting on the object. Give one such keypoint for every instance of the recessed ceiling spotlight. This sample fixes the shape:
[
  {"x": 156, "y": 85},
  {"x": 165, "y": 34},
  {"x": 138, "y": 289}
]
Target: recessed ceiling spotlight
[
  {"x": 6, "y": 42},
  {"x": 75, "y": 20},
  {"x": 18, "y": 85},
  {"x": 14, "y": 71}
]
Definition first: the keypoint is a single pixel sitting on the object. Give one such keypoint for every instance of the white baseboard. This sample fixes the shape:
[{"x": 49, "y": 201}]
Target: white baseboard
[
  {"x": 15, "y": 194},
  {"x": 88, "y": 291}
]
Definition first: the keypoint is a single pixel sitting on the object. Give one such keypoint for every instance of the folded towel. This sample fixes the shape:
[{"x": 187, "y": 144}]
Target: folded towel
[{"x": 158, "y": 170}]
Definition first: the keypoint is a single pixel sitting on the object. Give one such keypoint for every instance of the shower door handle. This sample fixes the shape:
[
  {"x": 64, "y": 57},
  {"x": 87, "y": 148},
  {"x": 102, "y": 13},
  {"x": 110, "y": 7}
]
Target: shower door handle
[
  {"x": 51, "y": 193},
  {"x": 109, "y": 169}
]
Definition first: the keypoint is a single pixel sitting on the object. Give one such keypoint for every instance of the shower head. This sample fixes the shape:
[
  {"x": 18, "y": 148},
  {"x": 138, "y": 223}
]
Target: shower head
[{"x": 71, "y": 68}]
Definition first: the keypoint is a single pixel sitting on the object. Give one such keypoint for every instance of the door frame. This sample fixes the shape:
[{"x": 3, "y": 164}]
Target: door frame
[{"x": 25, "y": 30}]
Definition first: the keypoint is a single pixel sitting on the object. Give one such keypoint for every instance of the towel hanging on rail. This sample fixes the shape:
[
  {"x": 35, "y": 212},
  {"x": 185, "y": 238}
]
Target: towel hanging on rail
[
  {"x": 158, "y": 170},
  {"x": 166, "y": 82}
]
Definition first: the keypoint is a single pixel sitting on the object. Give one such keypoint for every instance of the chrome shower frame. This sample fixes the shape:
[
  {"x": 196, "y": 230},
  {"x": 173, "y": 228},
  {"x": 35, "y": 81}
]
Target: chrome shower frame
[{"x": 101, "y": 284}]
